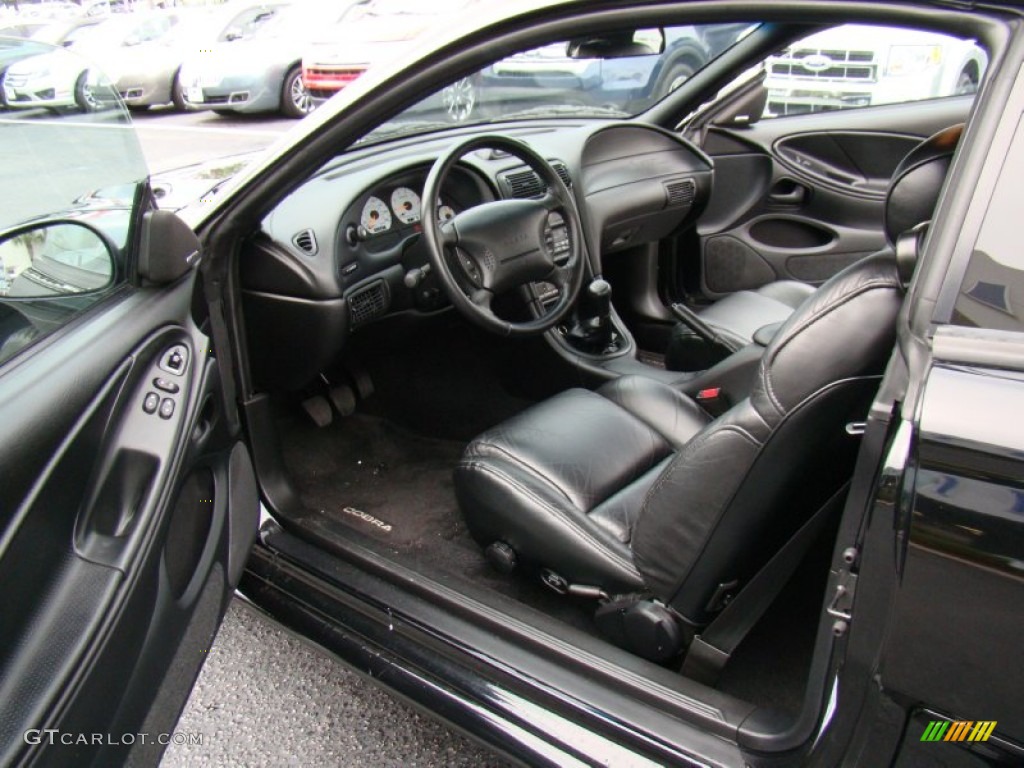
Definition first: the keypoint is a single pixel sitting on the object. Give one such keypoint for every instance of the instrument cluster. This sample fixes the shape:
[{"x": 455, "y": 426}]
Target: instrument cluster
[{"x": 398, "y": 208}]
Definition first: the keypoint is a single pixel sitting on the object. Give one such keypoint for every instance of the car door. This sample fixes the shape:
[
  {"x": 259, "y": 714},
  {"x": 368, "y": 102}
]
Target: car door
[
  {"x": 127, "y": 499},
  {"x": 799, "y": 193}
]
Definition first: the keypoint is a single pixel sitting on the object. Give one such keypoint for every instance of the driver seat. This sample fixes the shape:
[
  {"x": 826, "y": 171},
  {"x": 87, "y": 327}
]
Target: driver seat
[{"x": 634, "y": 489}]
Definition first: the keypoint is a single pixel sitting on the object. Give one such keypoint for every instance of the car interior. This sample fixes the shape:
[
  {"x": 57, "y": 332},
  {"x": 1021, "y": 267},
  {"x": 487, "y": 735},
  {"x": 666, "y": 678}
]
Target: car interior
[{"x": 622, "y": 371}]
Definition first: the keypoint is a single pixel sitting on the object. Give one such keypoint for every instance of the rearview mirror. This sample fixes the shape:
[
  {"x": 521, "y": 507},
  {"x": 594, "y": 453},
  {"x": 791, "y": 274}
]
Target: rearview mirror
[
  {"x": 617, "y": 45},
  {"x": 55, "y": 258}
]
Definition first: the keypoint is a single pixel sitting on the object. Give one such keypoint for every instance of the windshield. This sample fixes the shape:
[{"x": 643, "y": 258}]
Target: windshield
[
  {"x": 119, "y": 30},
  {"x": 415, "y": 7},
  {"x": 302, "y": 20},
  {"x": 223, "y": 24},
  {"x": 607, "y": 76}
]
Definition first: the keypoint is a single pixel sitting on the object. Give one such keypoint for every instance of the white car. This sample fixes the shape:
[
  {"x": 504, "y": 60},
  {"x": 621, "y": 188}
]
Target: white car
[
  {"x": 54, "y": 81},
  {"x": 857, "y": 66}
]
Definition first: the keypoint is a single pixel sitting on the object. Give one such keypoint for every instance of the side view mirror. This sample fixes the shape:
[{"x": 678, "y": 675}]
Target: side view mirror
[
  {"x": 747, "y": 108},
  {"x": 55, "y": 258}
]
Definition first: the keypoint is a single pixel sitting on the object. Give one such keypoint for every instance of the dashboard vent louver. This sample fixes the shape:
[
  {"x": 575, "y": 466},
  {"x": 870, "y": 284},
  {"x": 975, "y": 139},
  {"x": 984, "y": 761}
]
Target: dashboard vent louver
[
  {"x": 563, "y": 173},
  {"x": 368, "y": 303},
  {"x": 527, "y": 184},
  {"x": 680, "y": 192},
  {"x": 305, "y": 241},
  {"x": 524, "y": 184}
]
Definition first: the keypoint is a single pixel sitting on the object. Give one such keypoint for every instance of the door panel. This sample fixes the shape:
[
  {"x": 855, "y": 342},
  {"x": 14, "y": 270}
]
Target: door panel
[
  {"x": 127, "y": 497},
  {"x": 120, "y": 518},
  {"x": 801, "y": 197}
]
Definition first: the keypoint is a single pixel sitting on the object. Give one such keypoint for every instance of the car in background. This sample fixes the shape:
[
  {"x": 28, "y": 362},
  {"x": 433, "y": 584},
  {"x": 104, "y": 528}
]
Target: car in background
[
  {"x": 61, "y": 32},
  {"x": 643, "y": 65},
  {"x": 65, "y": 32},
  {"x": 65, "y": 81},
  {"x": 378, "y": 31},
  {"x": 147, "y": 75},
  {"x": 262, "y": 73},
  {"x": 834, "y": 69}
]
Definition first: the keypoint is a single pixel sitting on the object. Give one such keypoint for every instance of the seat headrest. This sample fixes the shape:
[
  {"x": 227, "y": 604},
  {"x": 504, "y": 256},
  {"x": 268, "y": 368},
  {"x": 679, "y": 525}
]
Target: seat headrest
[{"x": 915, "y": 185}]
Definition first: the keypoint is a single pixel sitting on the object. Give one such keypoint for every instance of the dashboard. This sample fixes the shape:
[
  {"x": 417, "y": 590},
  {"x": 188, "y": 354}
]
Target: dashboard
[{"x": 346, "y": 247}]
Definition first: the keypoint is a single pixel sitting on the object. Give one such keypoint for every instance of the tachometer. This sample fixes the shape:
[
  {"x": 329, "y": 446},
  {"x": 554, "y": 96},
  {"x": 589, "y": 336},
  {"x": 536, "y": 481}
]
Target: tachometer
[
  {"x": 406, "y": 205},
  {"x": 445, "y": 213},
  {"x": 376, "y": 217}
]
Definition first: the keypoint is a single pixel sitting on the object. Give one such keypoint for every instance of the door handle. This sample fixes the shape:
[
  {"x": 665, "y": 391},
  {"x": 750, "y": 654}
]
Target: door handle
[{"x": 788, "y": 193}]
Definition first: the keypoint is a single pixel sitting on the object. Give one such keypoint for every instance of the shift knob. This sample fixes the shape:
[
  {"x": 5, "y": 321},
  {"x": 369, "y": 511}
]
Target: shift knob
[{"x": 600, "y": 294}]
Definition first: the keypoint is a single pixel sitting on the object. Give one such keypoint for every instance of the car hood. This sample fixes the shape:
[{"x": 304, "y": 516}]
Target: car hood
[
  {"x": 845, "y": 37},
  {"x": 354, "y": 52},
  {"x": 379, "y": 30},
  {"x": 247, "y": 55}
]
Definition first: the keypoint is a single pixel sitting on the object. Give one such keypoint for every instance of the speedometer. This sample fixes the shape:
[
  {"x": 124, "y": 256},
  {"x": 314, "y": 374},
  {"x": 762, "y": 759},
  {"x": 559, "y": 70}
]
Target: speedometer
[
  {"x": 375, "y": 217},
  {"x": 406, "y": 205}
]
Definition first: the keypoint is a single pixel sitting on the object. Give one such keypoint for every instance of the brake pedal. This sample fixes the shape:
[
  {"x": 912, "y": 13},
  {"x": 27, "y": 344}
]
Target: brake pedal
[{"x": 319, "y": 410}]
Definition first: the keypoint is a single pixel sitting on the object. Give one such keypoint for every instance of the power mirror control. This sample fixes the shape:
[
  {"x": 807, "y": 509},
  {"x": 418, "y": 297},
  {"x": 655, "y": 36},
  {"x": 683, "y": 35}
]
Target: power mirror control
[{"x": 175, "y": 360}]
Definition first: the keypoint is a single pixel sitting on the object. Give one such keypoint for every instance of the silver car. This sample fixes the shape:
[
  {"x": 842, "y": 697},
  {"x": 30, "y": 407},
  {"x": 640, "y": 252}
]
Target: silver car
[
  {"x": 262, "y": 73},
  {"x": 148, "y": 74},
  {"x": 67, "y": 81}
]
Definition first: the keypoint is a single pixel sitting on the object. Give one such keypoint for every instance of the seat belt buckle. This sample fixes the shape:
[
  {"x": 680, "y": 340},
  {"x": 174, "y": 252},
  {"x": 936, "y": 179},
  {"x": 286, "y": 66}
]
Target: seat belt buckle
[{"x": 712, "y": 400}]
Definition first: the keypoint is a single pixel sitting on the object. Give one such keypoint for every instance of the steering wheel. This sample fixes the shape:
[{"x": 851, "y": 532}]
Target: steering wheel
[{"x": 500, "y": 246}]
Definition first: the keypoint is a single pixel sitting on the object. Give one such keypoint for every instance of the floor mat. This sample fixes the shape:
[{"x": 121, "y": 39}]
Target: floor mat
[{"x": 395, "y": 488}]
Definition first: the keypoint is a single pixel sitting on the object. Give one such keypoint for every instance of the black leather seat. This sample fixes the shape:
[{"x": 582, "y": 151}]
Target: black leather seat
[
  {"x": 738, "y": 316},
  {"x": 634, "y": 488}
]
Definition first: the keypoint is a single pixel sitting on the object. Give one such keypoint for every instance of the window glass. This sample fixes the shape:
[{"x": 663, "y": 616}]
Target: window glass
[
  {"x": 992, "y": 292},
  {"x": 612, "y": 74},
  {"x": 858, "y": 65},
  {"x": 71, "y": 178}
]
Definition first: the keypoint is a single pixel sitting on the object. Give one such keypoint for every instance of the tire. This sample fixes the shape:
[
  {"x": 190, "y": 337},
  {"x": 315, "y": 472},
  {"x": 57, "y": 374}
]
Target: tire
[
  {"x": 178, "y": 93},
  {"x": 966, "y": 83},
  {"x": 86, "y": 97},
  {"x": 296, "y": 102},
  {"x": 677, "y": 74},
  {"x": 460, "y": 99}
]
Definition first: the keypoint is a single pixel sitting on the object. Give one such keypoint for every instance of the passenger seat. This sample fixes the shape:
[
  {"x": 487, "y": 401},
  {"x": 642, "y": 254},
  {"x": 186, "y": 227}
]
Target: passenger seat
[{"x": 739, "y": 316}]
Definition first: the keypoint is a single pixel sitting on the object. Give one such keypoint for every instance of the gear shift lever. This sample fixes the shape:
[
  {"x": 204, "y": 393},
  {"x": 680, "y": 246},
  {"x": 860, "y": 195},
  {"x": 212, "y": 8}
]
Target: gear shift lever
[
  {"x": 599, "y": 297},
  {"x": 595, "y": 332}
]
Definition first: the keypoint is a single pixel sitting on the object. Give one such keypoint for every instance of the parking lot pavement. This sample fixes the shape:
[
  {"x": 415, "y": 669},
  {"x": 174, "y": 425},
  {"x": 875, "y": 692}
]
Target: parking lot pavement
[
  {"x": 264, "y": 698},
  {"x": 173, "y": 140}
]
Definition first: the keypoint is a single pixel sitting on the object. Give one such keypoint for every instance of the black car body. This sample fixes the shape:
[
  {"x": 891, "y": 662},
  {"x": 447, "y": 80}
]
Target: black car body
[{"x": 193, "y": 449}]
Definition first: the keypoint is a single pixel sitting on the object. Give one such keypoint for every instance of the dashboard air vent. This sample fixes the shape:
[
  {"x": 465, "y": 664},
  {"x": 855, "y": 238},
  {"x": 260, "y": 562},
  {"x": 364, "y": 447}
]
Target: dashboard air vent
[
  {"x": 680, "y": 192},
  {"x": 527, "y": 184},
  {"x": 524, "y": 184},
  {"x": 305, "y": 241},
  {"x": 367, "y": 303}
]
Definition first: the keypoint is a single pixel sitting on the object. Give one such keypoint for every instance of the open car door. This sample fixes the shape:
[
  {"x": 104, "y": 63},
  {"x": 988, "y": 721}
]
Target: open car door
[{"x": 128, "y": 501}]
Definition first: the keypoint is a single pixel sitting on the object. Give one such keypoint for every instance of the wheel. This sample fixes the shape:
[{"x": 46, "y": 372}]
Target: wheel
[
  {"x": 677, "y": 74},
  {"x": 499, "y": 247},
  {"x": 459, "y": 99},
  {"x": 87, "y": 94},
  {"x": 295, "y": 99},
  {"x": 966, "y": 83},
  {"x": 178, "y": 93}
]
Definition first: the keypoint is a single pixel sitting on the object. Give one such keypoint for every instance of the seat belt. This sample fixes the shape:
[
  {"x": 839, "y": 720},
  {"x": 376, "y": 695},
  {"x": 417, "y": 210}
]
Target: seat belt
[{"x": 711, "y": 649}]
